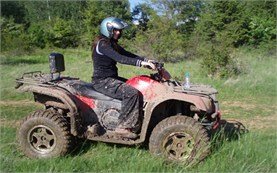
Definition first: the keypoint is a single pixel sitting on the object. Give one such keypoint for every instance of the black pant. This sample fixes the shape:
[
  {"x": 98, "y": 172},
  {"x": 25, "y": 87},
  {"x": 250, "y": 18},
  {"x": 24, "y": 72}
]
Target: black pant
[{"x": 131, "y": 98}]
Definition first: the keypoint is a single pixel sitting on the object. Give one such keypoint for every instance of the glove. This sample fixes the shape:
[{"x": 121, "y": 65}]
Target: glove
[
  {"x": 148, "y": 65},
  {"x": 151, "y": 61}
]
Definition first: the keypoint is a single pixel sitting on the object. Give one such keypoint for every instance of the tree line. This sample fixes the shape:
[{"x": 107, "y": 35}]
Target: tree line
[{"x": 166, "y": 30}]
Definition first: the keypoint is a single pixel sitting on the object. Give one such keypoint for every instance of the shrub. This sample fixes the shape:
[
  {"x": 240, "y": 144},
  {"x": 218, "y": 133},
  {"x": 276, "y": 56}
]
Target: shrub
[
  {"x": 62, "y": 34},
  {"x": 13, "y": 37},
  {"x": 161, "y": 41},
  {"x": 218, "y": 62},
  {"x": 261, "y": 30},
  {"x": 37, "y": 35}
]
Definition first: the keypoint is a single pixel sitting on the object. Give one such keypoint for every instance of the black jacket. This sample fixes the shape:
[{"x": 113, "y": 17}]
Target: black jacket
[{"x": 105, "y": 56}]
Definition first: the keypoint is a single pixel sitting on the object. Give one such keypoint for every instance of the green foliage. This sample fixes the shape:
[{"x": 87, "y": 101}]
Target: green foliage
[
  {"x": 62, "y": 34},
  {"x": 160, "y": 41},
  {"x": 217, "y": 61},
  {"x": 38, "y": 11},
  {"x": 140, "y": 16},
  {"x": 227, "y": 24},
  {"x": 261, "y": 30},
  {"x": 57, "y": 32},
  {"x": 168, "y": 30},
  {"x": 37, "y": 34},
  {"x": 162, "y": 44},
  {"x": 96, "y": 11},
  {"x": 183, "y": 13},
  {"x": 261, "y": 21},
  {"x": 239, "y": 22},
  {"x": 13, "y": 9},
  {"x": 13, "y": 37},
  {"x": 223, "y": 20},
  {"x": 55, "y": 23}
]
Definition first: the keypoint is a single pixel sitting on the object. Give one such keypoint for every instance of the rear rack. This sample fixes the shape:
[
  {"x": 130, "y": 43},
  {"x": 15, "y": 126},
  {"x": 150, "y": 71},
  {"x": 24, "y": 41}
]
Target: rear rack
[{"x": 33, "y": 78}]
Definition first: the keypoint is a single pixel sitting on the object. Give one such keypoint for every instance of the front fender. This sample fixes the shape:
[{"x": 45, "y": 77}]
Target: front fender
[{"x": 201, "y": 102}]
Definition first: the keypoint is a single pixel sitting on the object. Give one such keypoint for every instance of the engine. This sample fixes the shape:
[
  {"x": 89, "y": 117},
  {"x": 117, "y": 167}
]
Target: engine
[{"x": 109, "y": 119}]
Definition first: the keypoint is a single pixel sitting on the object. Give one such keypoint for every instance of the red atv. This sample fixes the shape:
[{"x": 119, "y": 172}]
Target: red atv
[{"x": 175, "y": 120}]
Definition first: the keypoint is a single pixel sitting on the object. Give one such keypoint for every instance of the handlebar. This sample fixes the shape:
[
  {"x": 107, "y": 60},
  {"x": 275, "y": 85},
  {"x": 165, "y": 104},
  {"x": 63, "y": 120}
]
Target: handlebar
[
  {"x": 159, "y": 65},
  {"x": 162, "y": 75}
]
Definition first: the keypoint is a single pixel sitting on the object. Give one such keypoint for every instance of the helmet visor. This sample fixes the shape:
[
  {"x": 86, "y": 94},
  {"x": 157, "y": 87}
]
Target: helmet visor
[{"x": 119, "y": 24}]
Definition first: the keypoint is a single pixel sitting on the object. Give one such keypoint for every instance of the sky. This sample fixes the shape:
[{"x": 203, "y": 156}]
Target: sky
[{"x": 133, "y": 3}]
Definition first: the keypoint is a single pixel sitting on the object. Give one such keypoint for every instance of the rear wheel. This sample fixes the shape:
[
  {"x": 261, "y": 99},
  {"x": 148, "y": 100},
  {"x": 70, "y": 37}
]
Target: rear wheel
[
  {"x": 44, "y": 134},
  {"x": 180, "y": 139}
]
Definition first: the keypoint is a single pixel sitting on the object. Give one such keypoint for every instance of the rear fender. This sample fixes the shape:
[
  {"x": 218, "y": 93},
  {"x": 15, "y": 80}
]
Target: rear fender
[{"x": 65, "y": 101}]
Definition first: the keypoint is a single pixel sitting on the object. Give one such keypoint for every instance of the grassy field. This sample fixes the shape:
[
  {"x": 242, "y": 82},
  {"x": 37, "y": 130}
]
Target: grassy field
[{"x": 249, "y": 100}]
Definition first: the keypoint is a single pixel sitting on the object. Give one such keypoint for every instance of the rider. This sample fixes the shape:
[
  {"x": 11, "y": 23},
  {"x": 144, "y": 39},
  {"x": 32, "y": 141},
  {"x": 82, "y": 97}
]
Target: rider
[{"x": 105, "y": 54}]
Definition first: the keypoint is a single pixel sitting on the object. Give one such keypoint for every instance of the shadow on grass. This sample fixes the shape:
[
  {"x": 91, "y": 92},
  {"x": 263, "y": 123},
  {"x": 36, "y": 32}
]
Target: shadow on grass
[
  {"x": 81, "y": 146},
  {"x": 16, "y": 61},
  {"x": 229, "y": 130}
]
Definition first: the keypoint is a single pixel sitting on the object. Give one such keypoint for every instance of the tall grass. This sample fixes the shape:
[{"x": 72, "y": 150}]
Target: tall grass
[{"x": 252, "y": 94}]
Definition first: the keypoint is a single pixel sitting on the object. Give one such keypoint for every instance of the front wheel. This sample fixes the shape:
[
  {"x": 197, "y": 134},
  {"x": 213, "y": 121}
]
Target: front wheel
[
  {"x": 180, "y": 139},
  {"x": 44, "y": 134}
]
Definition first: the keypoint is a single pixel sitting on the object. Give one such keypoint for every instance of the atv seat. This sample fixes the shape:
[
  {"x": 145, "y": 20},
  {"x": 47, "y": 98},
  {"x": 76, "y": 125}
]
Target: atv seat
[{"x": 84, "y": 89}]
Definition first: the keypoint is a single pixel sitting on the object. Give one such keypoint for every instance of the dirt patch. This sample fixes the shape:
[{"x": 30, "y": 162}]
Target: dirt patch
[
  {"x": 253, "y": 122},
  {"x": 260, "y": 123},
  {"x": 17, "y": 103},
  {"x": 247, "y": 105},
  {"x": 9, "y": 123},
  {"x": 14, "y": 123}
]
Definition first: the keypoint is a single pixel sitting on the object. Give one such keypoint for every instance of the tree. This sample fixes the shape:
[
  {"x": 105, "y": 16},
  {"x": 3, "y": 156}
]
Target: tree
[
  {"x": 261, "y": 21},
  {"x": 224, "y": 20},
  {"x": 140, "y": 16},
  {"x": 96, "y": 11},
  {"x": 238, "y": 22},
  {"x": 57, "y": 23},
  {"x": 161, "y": 40},
  {"x": 221, "y": 26},
  {"x": 184, "y": 13},
  {"x": 38, "y": 11},
  {"x": 13, "y": 9}
]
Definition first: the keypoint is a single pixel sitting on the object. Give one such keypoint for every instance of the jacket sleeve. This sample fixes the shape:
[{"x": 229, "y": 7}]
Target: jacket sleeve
[
  {"x": 106, "y": 49},
  {"x": 122, "y": 51}
]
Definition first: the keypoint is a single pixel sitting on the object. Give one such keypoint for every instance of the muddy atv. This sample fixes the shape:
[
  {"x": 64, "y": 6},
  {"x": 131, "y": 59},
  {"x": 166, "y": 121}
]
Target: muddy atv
[{"x": 175, "y": 121}]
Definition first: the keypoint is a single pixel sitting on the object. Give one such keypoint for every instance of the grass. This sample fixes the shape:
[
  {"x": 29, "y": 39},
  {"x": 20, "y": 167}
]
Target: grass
[{"x": 249, "y": 98}]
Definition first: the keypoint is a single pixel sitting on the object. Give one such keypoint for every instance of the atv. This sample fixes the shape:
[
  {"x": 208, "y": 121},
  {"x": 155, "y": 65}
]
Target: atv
[{"x": 175, "y": 122}]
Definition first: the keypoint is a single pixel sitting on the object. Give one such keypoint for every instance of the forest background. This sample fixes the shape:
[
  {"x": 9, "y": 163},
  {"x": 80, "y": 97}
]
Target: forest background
[{"x": 165, "y": 30}]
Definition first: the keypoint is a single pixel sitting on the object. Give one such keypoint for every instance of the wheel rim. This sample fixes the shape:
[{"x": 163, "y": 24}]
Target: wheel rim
[
  {"x": 178, "y": 146},
  {"x": 42, "y": 139}
]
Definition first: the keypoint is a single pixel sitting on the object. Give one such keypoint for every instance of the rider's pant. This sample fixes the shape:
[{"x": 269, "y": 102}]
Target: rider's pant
[{"x": 131, "y": 98}]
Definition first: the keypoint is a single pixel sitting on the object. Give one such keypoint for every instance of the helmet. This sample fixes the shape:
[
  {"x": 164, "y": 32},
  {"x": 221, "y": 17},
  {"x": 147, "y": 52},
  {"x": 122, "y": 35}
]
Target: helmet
[{"x": 111, "y": 23}]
